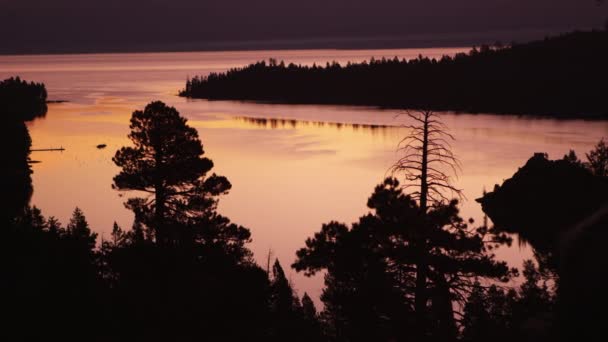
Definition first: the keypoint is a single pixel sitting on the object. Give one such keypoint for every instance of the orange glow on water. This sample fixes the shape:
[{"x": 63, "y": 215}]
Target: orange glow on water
[{"x": 311, "y": 165}]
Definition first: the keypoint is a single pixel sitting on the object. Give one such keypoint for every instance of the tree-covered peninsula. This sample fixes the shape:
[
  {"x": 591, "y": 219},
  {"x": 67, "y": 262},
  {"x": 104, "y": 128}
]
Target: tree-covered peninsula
[{"x": 562, "y": 76}]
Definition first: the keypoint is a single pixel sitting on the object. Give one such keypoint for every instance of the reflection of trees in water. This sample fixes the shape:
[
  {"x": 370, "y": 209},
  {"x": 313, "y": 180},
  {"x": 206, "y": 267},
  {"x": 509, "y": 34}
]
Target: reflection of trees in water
[{"x": 276, "y": 123}]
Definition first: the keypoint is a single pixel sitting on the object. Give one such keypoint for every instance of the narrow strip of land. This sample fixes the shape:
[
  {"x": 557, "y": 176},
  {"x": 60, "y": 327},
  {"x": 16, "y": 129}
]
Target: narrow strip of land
[
  {"x": 47, "y": 149},
  {"x": 562, "y": 76}
]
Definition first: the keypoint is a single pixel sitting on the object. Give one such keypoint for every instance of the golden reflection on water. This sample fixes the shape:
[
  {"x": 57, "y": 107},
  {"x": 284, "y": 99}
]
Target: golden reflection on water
[
  {"x": 288, "y": 175},
  {"x": 292, "y": 167}
]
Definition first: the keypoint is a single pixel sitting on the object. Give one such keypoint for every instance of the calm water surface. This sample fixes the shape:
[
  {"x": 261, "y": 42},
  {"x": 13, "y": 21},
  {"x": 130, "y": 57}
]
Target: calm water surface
[{"x": 293, "y": 167}]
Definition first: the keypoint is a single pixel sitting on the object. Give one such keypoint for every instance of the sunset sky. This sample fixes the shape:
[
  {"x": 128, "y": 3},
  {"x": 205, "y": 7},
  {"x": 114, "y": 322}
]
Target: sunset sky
[{"x": 119, "y": 25}]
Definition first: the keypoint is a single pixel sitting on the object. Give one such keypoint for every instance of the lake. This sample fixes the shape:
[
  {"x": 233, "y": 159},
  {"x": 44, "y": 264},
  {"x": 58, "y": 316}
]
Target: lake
[{"x": 292, "y": 167}]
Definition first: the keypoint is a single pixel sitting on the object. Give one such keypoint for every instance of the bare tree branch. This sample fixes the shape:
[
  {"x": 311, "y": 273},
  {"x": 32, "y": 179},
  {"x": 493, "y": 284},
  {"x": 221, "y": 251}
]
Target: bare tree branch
[{"x": 427, "y": 146}]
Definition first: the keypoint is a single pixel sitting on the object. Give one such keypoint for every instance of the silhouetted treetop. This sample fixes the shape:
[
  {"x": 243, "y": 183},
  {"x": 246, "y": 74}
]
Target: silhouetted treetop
[
  {"x": 558, "y": 76},
  {"x": 21, "y": 100},
  {"x": 166, "y": 162},
  {"x": 49, "y": 277},
  {"x": 163, "y": 143},
  {"x": 492, "y": 313},
  {"x": 426, "y": 162},
  {"x": 79, "y": 230},
  {"x": 598, "y": 159},
  {"x": 372, "y": 267}
]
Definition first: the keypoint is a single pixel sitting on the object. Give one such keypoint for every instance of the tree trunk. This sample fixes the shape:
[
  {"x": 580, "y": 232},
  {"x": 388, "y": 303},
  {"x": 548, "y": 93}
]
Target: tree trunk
[
  {"x": 444, "y": 326},
  {"x": 160, "y": 199},
  {"x": 420, "y": 301},
  {"x": 159, "y": 215}
]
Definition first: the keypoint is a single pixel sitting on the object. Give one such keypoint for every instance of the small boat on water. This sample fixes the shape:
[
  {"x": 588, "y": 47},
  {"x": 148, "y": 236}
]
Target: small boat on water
[{"x": 100, "y": 146}]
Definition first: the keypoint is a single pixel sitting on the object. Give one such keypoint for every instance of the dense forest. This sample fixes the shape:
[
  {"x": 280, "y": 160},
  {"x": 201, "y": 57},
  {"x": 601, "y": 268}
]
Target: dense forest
[
  {"x": 560, "y": 207},
  {"x": 412, "y": 268},
  {"x": 20, "y": 101},
  {"x": 559, "y": 76}
]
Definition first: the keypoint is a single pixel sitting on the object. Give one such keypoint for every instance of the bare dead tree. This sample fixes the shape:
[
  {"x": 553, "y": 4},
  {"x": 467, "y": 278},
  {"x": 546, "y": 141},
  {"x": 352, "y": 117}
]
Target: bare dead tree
[{"x": 425, "y": 154}]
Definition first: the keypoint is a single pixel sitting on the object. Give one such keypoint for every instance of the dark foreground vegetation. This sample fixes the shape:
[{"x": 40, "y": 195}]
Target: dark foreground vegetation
[
  {"x": 410, "y": 269},
  {"x": 561, "y": 208},
  {"x": 20, "y": 101},
  {"x": 559, "y": 76}
]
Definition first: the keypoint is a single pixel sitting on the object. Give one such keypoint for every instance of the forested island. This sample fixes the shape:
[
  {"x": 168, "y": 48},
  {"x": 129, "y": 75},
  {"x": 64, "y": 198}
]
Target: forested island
[{"x": 561, "y": 76}]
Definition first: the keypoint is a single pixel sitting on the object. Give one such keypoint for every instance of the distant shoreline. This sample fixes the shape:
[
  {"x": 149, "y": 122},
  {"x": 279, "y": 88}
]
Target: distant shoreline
[
  {"x": 558, "y": 77},
  {"x": 236, "y": 49}
]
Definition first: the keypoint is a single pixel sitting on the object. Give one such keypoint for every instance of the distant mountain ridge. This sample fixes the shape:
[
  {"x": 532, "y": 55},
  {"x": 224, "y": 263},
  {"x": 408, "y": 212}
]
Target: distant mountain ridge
[{"x": 400, "y": 41}]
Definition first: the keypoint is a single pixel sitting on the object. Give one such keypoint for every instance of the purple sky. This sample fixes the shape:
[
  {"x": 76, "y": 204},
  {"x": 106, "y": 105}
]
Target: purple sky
[{"x": 87, "y": 25}]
